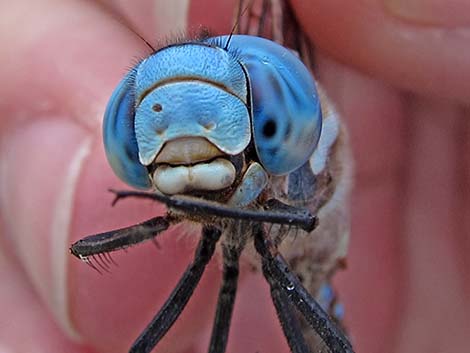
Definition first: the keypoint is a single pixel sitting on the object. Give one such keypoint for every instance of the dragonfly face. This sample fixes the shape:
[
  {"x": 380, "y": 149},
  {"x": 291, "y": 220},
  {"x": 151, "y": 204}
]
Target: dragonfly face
[
  {"x": 189, "y": 117},
  {"x": 234, "y": 134}
]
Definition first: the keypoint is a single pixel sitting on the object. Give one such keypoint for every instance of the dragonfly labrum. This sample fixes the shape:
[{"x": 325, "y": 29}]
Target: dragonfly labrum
[{"x": 232, "y": 132}]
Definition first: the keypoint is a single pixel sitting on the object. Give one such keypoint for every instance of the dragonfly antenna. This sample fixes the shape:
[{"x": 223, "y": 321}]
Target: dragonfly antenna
[
  {"x": 237, "y": 22},
  {"x": 126, "y": 23},
  {"x": 143, "y": 39}
]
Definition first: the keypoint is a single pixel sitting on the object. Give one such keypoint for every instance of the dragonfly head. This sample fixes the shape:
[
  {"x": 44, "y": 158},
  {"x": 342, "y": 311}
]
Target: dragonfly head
[{"x": 180, "y": 119}]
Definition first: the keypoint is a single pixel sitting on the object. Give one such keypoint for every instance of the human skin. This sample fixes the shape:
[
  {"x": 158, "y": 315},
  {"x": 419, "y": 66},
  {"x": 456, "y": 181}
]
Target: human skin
[{"x": 401, "y": 80}]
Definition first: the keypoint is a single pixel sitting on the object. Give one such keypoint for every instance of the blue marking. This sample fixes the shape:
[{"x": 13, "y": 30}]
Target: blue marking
[
  {"x": 254, "y": 181},
  {"x": 339, "y": 311}
]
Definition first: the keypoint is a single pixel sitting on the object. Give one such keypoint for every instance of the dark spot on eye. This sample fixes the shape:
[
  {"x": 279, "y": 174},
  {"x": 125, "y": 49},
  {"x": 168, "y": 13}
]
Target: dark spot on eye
[
  {"x": 269, "y": 128},
  {"x": 157, "y": 107},
  {"x": 288, "y": 130}
]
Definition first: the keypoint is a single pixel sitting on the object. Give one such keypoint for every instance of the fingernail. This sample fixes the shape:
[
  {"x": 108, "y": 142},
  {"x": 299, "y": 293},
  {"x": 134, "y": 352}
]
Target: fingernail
[
  {"x": 445, "y": 13},
  {"x": 39, "y": 165}
]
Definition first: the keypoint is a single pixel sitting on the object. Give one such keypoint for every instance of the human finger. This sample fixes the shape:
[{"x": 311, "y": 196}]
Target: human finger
[{"x": 416, "y": 45}]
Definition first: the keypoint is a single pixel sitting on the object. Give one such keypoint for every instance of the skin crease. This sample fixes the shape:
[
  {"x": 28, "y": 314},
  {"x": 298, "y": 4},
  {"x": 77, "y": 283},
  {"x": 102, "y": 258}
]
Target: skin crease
[{"x": 401, "y": 85}]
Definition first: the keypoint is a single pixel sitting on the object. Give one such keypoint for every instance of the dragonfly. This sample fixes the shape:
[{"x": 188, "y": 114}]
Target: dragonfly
[{"x": 233, "y": 133}]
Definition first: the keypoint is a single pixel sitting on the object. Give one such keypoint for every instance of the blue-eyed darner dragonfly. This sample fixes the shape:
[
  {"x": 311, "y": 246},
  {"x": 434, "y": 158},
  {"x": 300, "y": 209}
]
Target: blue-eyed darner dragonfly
[{"x": 233, "y": 133}]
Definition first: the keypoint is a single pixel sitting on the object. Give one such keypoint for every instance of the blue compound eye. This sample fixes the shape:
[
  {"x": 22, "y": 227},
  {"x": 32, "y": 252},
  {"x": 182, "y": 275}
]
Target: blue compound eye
[
  {"x": 119, "y": 137},
  {"x": 286, "y": 116},
  {"x": 286, "y": 107},
  {"x": 172, "y": 93}
]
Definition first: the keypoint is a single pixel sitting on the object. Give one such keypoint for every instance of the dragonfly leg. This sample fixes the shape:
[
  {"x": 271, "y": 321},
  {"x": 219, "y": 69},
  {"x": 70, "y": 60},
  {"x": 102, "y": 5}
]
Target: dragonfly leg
[
  {"x": 122, "y": 238},
  {"x": 277, "y": 273},
  {"x": 289, "y": 322},
  {"x": 226, "y": 300},
  {"x": 178, "y": 299},
  {"x": 274, "y": 212}
]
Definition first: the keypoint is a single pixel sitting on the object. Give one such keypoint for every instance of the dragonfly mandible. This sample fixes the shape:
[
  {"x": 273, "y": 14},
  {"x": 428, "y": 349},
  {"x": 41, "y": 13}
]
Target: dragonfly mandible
[{"x": 233, "y": 133}]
